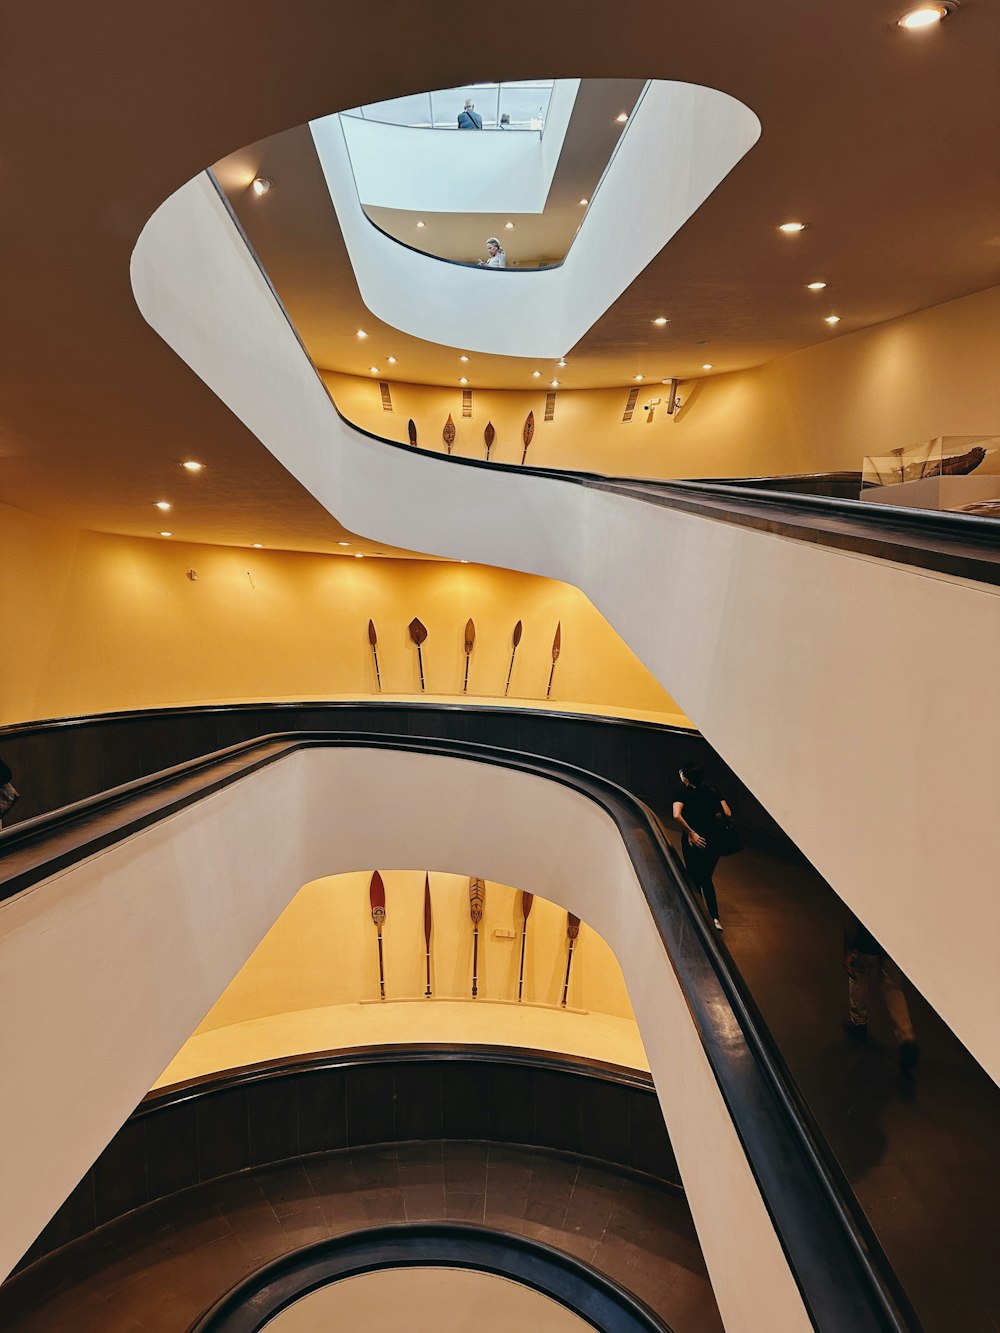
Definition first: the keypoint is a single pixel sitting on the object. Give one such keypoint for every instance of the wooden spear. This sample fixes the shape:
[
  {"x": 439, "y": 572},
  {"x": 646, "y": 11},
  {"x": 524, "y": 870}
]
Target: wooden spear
[
  {"x": 526, "y": 434},
  {"x": 376, "y": 895},
  {"x": 489, "y": 435},
  {"x": 418, "y": 633},
  {"x": 373, "y": 640},
  {"x": 448, "y": 434},
  {"x": 470, "y": 641},
  {"x": 411, "y": 431},
  {"x": 427, "y": 929},
  {"x": 556, "y": 645},
  {"x": 572, "y": 931},
  {"x": 516, "y": 641},
  {"x": 526, "y": 900},
  {"x": 477, "y": 900}
]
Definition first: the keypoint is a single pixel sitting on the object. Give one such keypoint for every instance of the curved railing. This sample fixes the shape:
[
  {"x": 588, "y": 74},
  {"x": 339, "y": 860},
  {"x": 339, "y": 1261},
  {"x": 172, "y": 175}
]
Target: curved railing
[{"x": 843, "y": 1276}]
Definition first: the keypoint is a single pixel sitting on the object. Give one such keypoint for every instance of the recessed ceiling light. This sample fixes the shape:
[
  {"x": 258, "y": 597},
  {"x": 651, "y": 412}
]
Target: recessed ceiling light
[
  {"x": 362, "y": 334},
  {"x": 554, "y": 384},
  {"x": 421, "y": 224},
  {"x": 832, "y": 319},
  {"x": 815, "y": 286},
  {"x": 707, "y": 365},
  {"x": 192, "y": 466},
  {"x": 924, "y": 16},
  {"x": 391, "y": 360},
  {"x": 536, "y": 374},
  {"x": 260, "y": 185},
  {"x": 463, "y": 562},
  {"x": 637, "y": 378},
  {"x": 660, "y": 320},
  {"x": 791, "y": 227},
  {"x": 463, "y": 358},
  {"x": 166, "y": 534},
  {"x": 561, "y": 363},
  {"x": 584, "y": 203},
  {"x": 373, "y": 370},
  {"x": 463, "y": 380},
  {"x": 508, "y": 226},
  {"x": 258, "y": 546},
  {"x": 622, "y": 117},
  {"x": 343, "y": 543},
  {"x": 164, "y": 505},
  {"x": 358, "y": 555}
]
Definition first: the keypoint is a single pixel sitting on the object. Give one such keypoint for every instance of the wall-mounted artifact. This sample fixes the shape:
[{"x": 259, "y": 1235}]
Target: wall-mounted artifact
[
  {"x": 470, "y": 643},
  {"x": 427, "y": 929},
  {"x": 448, "y": 434},
  {"x": 373, "y": 640},
  {"x": 477, "y": 901},
  {"x": 376, "y": 896},
  {"x": 526, "y": 900},
  {"x": 515, "y": 639},
  {"x": 411, "y": 430},
  {"x": 526, "y": 434},
  {"x": 418, "y": 633},
  {"x": 489, "y": 435},
  {"x": 556, "y": 646},
  {"x": 572, "y": 931}
]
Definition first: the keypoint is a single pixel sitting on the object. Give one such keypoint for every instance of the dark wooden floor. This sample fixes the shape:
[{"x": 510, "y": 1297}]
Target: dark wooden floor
[{"x": 156, "y": 1269}]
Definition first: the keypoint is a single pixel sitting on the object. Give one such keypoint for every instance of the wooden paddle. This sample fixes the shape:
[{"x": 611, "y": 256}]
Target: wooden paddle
[
  {"x": 516, "y": 640},
  {"x": 470, "y": 641},
  {"x": 448, "y": 434},
  {"x": 572, "y": 931},
  {"x": 411, "y": 430},
  {"x": 556, "y": 645},
  {"x": 526, "y": 900},
  {"x": 526, "y": 434},
  {"x": 418, "y": 633},
  {"x": 373, "y": 640},
  {"x": 477, "y": 901},
  {"x": 376, "y": 895},
  {"x": 427, "y": 928},
  {"x": 489, "y": 435}
]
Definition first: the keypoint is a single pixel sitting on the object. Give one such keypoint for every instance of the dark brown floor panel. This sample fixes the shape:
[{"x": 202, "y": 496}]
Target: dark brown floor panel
[{"x": 156, "y": 1269}]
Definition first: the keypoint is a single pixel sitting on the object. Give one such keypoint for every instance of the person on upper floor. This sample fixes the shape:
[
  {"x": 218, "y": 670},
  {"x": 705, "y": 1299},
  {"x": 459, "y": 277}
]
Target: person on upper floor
[
  {"x": 469, "y": 118},
  {"x": 497, "y": 256},
  {"x": 697, "y": 807}
]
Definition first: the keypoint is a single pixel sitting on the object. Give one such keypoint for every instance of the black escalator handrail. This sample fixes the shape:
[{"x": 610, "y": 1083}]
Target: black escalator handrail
[{"x": 843, "y": 1275}]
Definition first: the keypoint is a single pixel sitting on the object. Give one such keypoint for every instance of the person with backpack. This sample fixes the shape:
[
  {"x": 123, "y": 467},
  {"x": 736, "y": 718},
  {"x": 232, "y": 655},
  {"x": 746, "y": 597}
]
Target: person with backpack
[{"x": 697, "y": 808}]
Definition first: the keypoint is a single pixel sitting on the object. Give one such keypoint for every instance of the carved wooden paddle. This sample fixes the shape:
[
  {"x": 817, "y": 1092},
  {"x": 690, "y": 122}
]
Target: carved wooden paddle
[
  {"x": 477, "y": 901},
  {"x": 376, "y": 895},
  {"x": 411, "y": 430},
  {"x": 516, "y": 638},
  {"x": 526, "y": 434},
  {"x": 556, "y": 645},
  {"x": 526, "y": 900},
  {"x": 572, "y": 931},
  {"x": 470, "y": 642},
  {"x": 418, "y": 633},
  {"x": 448, "y": 434},
  {"x": 373, "y": 640},
  {"x": 427, "y": 929},
  {"x": 489, "y": 435}
]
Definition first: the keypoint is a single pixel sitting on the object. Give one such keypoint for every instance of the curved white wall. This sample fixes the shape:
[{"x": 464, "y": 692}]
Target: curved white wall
[
  {"x": 853, "y": 696},
  {"x": 106, "y": 968},
  {"x": 682, "y": 141}
]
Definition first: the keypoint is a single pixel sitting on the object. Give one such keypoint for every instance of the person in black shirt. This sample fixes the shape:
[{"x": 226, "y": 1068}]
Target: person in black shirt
[{"x": 696, "y": 807}]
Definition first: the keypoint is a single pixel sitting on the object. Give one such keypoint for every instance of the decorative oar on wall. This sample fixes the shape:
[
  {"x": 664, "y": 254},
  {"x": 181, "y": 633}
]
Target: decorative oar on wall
[
  {"x": 489, "y": 435},
  {"x": 448, "y": 434},
  {"x": 376, "y": 895},
  {"x": 556, "y": 647},
  {"x": 418, "y": 633},
  {"x": 477, "y": 901},
  {"x": 515, "y": 639},
  {"x": 526, "y": 900},
  {"x": 373, "y": 640},
  {"x": 470, "y": 643},
  {"x": 427, "y": 930},
  {"x": 572, "y": 932},
  {"x": 526, "y": 434},
  {"x": 411, "y": 431}
]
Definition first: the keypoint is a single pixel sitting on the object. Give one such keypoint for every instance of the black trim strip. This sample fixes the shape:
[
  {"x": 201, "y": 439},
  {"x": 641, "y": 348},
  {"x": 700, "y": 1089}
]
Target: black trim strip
[
  {"x": 845, "y": 1279},
  {"x": 249, "y": 1305}
]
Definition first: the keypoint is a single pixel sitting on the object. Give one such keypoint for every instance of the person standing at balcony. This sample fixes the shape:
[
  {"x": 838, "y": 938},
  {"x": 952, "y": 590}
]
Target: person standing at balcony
[
  {"x": 469, "y": 118},
  {"x": 497, "y": 259},
  {"x": 696, "y": 808}
]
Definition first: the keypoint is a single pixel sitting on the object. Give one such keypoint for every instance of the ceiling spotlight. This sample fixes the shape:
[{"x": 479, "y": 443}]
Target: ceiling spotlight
[
  {"x": 192, "y": 466},
  {"x": 561, "y": 363},
  {"x": 508, "y": 226},
  {"x": 463, "y": 380},
  {"x": 260, "y": 185},
  {"x": 707, "y": 365},
  {"x": 164, "y": 505},
  {"x": 815, "y": 286},
  {"x": 373, "y": 370},
  {"x": 536, "y": 374},
  {"x": 554, "y": 384},
  {"x": 660, "y": 320},
  {"x": 832, "y": 319},
  {"x": 637, "y": 378},
  {"x": 421, "y": 224},
  {"x": 924, "y": 16},
  {"x": 622, "y": 117},
  {"x": 343, "y": 543},
  {"x": 463, "y": 358},
  {"x": 358, "y": 555},
  {"x": 463, "y": 562},
  {"x": 362, "y": 334},
  {"x": 791, "y": 227},
  {"x": 166, "y": 534},
  {"x": 258, "y": 546},
  {"x": 584, "y": 203}
]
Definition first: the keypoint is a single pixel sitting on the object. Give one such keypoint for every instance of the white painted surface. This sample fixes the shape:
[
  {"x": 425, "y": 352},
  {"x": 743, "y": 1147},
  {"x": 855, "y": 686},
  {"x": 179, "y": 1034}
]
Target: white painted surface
[
  {"x": 106, "y": 969},
  {"x": 434, "y": 171},
  {"x": 681, "y": 142},
  {"x": 853, "y": 696}
]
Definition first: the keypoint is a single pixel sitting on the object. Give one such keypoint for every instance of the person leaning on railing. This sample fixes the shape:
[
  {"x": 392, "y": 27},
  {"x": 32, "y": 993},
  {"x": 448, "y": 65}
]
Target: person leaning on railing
[
  {"x": 498, "y": 258},
  {"x": 469, "y": 118}
]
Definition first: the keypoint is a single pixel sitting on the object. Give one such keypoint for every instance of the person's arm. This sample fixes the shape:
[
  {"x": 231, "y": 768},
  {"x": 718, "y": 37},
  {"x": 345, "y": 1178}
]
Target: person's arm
[
  {"x": 503, "y": 259},
  {"x": 693, "y": 837},
  {"x": 726, "y": 810}
]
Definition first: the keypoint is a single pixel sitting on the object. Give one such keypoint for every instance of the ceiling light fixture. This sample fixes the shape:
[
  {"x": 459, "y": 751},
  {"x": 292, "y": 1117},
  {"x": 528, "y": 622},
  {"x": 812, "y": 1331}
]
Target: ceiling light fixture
[
  {"x": 463, "y": 380},
  {"x": 508, "y": 226},
  {"x": 373, "y": 370},
  {"x": 362, "y": 334},
  {"x": 815, "y": 286},
  {"x": 463, "y": 358},
  {"x": 790, "y": 228},
  {"x": 192, "y": 466},
  {"x": 554, "y": 384},
  {"x": 622, "y": 117},
  {"x": 343, "y": 543},
  {"x": 536, "y": 374},
  {"x": 707, "y": 365},
  {"x": 391, "y": 360},
  {"x": 924, "y": 16},
  {"x": 260, "y": 185},
  {"x": 166, "y": 534},
  {"x": 832, "y": 319},
  {"x": 421, "y": 224},
  {"x": 163, "y": 504},
  {"x": 660, "y": 320},
  {"x": 358, "y": 555},
  {"x": 637, "y": 378},
  {"x": 561, "y": 363},
  {"x": 584, "y": 203},
  {"x": 258, "y": 546}
]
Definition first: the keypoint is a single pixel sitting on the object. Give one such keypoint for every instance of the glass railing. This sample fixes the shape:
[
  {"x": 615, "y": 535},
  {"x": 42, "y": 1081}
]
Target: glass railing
[
  {"x": 956, "y": 472},
  {"x": 519, "y": 105}
]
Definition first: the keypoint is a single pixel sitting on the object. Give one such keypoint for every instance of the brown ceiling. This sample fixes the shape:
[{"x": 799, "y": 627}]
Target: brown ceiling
[{"x": 886, "y": 142}]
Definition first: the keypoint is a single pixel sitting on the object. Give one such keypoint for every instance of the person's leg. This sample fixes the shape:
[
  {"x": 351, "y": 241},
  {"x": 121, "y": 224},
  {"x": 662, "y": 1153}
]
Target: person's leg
[
  {"x": 699, "y": 867},
  {"x": 708, "y": 887},
  {"x": 899, "y": 1012},
  {"x": 858, "y": 973}
]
